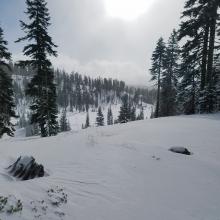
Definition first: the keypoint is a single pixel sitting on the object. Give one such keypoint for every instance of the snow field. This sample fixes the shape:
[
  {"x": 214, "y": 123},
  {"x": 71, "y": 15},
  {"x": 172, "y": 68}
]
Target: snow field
[{"x": 122, "y": 172}]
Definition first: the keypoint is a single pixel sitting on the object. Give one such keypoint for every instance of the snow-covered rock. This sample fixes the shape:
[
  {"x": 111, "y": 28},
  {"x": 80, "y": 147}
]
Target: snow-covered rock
[
  {"x": 180, "y": 150},
  {"x": 26, "y": 168}
]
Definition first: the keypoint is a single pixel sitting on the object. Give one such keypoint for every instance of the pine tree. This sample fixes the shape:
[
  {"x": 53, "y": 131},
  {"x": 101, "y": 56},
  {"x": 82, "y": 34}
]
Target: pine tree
[
  {"x": 64, "y": 124},
  {"x": 100, "y": 117},
  {"x": 169, "y": 77},
  {"x": 188, "y": 87},
  {"x": 156, "y": 70},
  {"x": 133, "y": 113},
  {"x": 125, "y": 110},
  {"x": 78, "y": 97},
  {"x": 6, "y": 92},
  {"x": 41, "y": 89},
  {"x": 199, "y": 27},
  {"x": 87, "y": 125},
  {"x": 141, "y": 115},
  {"x": 31, "y": 129},
  {"x": 110, "y": 117}
]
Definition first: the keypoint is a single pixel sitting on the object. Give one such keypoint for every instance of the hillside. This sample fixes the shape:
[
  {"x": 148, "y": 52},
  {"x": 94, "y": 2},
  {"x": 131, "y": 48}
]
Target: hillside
[
  {"x": 121, "y": 172},
  {"x": 78, "y": 94}
]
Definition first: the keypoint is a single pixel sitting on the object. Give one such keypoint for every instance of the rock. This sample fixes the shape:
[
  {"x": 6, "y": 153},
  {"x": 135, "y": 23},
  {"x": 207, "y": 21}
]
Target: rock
[
  {"x": 26, "y": 168},
  {"x": 180, "y": 150}
]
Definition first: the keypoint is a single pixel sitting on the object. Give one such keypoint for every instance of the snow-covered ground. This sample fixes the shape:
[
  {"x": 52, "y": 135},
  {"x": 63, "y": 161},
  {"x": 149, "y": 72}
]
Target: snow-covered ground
[
  {"x": 76, "y": 119},
  {"x": 121, "y": 172}
]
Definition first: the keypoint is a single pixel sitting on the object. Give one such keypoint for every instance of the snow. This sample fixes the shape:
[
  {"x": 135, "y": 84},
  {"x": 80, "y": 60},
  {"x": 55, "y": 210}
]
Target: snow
[
  {"x": 76, "y": 119},
  {"x": 122, "y": 172}
]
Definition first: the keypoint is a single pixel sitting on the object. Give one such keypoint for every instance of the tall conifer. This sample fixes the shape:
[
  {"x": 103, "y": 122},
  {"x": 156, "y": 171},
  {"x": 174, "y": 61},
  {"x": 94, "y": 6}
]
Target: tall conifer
[
  {"x": 100, "y": 118},
  {"x": 6, "y": 92},
  {"x": 41, "y": 89},
  {"x": 169, "y": 77},
  {"x": 156, "y": 71}
]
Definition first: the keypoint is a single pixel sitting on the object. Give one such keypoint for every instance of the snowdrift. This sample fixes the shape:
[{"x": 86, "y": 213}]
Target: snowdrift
[{"x": 121, "y": 172}]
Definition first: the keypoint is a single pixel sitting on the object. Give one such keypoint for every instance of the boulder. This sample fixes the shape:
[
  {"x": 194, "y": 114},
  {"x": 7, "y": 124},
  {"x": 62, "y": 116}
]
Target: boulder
[
  {"x": 26, "y": 168},
  {"x": 180, "y": 150}
]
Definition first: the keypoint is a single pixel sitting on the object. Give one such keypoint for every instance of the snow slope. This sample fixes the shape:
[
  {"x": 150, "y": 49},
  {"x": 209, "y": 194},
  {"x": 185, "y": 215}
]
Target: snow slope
[
  {"x": 121, "y": 172},
  {"x": 76, "y": 118}
]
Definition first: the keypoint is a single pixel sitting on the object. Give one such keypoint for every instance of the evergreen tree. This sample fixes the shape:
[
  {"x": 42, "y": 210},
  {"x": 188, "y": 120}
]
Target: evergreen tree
[
  {"x": 141, "y": 115},
  {"x": 87, "y": 125},
  {"x": 125, "y": 110},
  {"x": 169, "y": 77},
  {"x": 100, "y": 117},
  {"x": 31, "y": 129},
  {"x": 110, "y": 117},
  {"x": 133, "y": 113},
  {"x": 6, "y": 92},
  {"x": 199, "y": 27},
  {"x": 64, "y": 124},
  {"x": 78, "y": 97},
  {"x": 156, "y": 70},
  {"x": 189, "y": 78},
  {"x": 41, "y": 89}
]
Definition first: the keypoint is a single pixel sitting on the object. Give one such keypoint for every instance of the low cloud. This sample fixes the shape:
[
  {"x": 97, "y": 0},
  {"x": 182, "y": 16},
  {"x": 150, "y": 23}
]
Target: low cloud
[{"x": 126, "y": 71}]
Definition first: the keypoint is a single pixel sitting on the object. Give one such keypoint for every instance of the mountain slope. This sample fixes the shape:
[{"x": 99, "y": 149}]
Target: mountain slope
[{"x": 122, "y": 172}]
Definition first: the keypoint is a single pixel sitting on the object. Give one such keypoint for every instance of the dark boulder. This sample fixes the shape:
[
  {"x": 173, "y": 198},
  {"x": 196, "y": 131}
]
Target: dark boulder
[
  {"x": 180, "y": 150},
  {"x": 26, "y": 168}
]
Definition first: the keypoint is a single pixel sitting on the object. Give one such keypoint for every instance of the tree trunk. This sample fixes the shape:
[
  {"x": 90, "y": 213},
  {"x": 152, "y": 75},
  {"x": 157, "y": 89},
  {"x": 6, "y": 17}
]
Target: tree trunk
[
  {"x": 158, "y": 92},
  {"x": 211, "y": 44},
  {"x": 209, "y": 82},
  {"x": 158, "y": 98},
  {"x": 204, "y": 57}
]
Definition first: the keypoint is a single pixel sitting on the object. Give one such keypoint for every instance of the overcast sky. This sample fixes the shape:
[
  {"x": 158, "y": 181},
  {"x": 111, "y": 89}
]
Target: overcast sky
[{"x": 96, "y": 41}]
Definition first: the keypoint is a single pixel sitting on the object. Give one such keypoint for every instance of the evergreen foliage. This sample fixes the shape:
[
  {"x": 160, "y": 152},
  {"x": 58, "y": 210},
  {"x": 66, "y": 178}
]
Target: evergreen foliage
[
  {"x": 168, "y": 103},
  {"x": 41, "y": 89},
  {"x": 187, "y": 78},
  {"x": 100, "y": 117},
  {"x": 110, "y": 116},
  {"x": 87, "y": 125},
  {"x": 125, "y": 110},
  {"x": 111, "y": 91},
  {"x": 133, "y": 114},
  {"x": 141, "y": 115},
  {"x": 199, "y": 27},
  {"x": 157, "y": 70},
  {"x": 7, "y": 105},
  {"x": 31, "y": 129},
  {"x": 64, "y": 124}
]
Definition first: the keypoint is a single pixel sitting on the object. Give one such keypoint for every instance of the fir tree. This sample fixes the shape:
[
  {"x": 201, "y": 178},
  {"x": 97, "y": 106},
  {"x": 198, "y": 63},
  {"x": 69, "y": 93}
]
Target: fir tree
[
  {"x": 133, "y": 113},
  {"x": 156, "y": 70},
  {"x": 110, "y": 117},
  {"x": 87, "y": 125},
  {"x": 199, "y": 27},
  {"x": 100, "y": 117},
  {"x": 64, "y": 124},
  {"x": 141, "y": 115},
  {"x": 6, "y": 92},
  {"x": 188, "y": 87},
  {"x": 169, "y": 77},
  {"x": 41, "y": 89},
  {"x": 31, "y": 129},
  {"x": 125, "y": 110}
]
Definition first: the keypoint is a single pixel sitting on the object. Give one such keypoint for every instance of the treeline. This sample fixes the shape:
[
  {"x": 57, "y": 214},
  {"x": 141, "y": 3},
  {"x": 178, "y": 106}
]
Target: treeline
[
  {"x": 186, "y": 69},
  {"x": 76, "y": 92},
  {"x": 128, "y": 112},
  {"x": 82, "y": 92}
]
